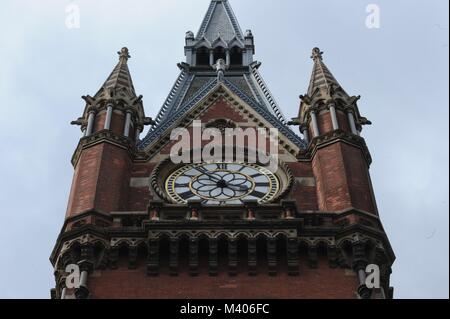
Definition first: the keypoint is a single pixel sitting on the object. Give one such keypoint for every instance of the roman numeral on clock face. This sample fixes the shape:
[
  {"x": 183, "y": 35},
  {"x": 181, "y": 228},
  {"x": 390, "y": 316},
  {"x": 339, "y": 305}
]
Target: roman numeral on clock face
[
  {"x": 186, "y": 195},
  {"x": 258, "y": 194},
  {"x": 265, "y": 184}
]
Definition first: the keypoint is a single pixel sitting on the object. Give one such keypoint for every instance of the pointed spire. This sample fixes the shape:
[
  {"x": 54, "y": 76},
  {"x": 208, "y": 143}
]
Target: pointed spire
[
  {"x": 220, "y": 21},
  {"x": 120, "y": 76},
  {"x": 322, "y": 79}
]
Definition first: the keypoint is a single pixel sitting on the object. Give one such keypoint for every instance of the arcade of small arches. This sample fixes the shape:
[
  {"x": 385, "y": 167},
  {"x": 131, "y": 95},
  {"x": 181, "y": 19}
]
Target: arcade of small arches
[
  {"x": 206, "y": 57},
  {"x": 211, "y": 252}
]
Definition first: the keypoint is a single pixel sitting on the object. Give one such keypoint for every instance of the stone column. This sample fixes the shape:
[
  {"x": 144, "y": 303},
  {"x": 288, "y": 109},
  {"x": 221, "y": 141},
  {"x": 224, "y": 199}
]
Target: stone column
[
  {"x": 305, "y": 133},
  {"x": 315, "y": 124},
  {"x": 228, "y": 58},
  {"x": 211, "y": 58},
  {"x": 109, "y": 112},
  {"x": 90, "y": 125},
  {"x": 359, "y": 266},
  {"x": 351, "y": 120},
  {"x": 138, "y": 132},
  {"x": 126, "y": 131},
  {"x": 334, "y": 118}
]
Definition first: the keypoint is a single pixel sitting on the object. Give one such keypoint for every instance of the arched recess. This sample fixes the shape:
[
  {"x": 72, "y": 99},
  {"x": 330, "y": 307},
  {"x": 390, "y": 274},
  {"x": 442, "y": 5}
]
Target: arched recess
[
  {"x": 236, "y": 56},
  {"x": 164, "y": 254},
  {"x": 282, "y": 253},
  {"x": 183, "y": 253},
  {"x": 219, "y": 53},
  {"x": 242, "y": 253},
  {"x": 124, "y": 255},
  {"x": 142, "y": 254},
  {"x": 261, "y": 254},
  {"x": 223, "y": 253},
  {"x": 303, "y": 252},
  {"x": 100, "y": 255},
  {"x": 322, "y": 253},
  {"x": 202, "y": 56},
  {"x": 203, "y": 254}
]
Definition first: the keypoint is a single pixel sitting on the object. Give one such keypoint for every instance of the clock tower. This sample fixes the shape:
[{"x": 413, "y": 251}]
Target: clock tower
[{"x": 223, "y": 197}]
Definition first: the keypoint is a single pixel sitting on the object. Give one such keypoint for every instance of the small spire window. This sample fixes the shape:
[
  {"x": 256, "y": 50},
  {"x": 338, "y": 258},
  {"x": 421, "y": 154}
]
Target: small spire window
[
  {"x": 202, "y": 56},
  {"x": 219, "y": 53},
  {"x": 236, "y": 56}
]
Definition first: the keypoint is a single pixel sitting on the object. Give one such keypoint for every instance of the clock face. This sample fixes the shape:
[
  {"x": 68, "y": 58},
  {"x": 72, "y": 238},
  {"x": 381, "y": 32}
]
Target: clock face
[{"x": 222, "y": 184}]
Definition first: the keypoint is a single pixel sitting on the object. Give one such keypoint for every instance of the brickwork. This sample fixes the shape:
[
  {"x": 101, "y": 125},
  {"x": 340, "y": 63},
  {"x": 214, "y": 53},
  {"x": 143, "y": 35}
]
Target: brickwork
[{"x": 320, "y": 283}]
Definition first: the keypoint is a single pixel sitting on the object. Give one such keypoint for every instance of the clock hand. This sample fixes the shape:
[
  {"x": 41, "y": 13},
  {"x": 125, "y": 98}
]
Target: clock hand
[
  {"x": 234, "y": 187},
  {"x": 207, "y": 173},
  {"x": 220, "y": 180}
]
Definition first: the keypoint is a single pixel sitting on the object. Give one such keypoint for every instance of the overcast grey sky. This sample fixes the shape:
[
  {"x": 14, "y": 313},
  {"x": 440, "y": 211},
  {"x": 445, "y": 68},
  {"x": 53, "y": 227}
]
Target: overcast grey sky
[{"x": 400, "y": 69}]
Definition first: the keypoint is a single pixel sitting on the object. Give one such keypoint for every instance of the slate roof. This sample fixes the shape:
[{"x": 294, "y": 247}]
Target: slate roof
[
  {"x": 220, "y": 21},
  {"x": 321, "y": 77},
  {"x": 120, "y": 77}
]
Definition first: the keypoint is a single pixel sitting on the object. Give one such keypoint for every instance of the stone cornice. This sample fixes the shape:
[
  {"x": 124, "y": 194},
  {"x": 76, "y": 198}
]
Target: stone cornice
[
  {"x": 306, "y": 224},
  {"x": 75, "y": 233}
]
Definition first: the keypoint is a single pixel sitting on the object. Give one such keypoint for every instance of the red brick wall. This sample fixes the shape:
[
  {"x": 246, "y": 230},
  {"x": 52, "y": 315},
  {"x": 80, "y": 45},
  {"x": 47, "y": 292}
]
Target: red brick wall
[
  {"x": 332, "y": 187},
  {"x": 343, "y": 122},
  {"x": 221, "y": 110},
  {"x": 138, "y": 199},
  {"x": 323, "y": 282},
  {"x": 117, "y": 123},
  {"x": 325, "y": 123},
  {"x": 358, "y": 179},
  {"x": 342, "y": 179},
  {"x": 100, "y": 119},
  {"x": 114, "y": 179},
  {"x": 84, "y": 182},
  {"x": 100, "y": 181},
  {"x": 305, "y": 196}
]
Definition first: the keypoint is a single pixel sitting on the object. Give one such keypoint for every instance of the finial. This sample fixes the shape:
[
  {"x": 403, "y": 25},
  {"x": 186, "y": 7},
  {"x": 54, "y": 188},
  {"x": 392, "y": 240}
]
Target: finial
[
  {"x": 316, "y": 54},
  {"x": 248, "y": 33},
  {"x": 124, "y": 54},
  {"x": 189, "y": 35}
]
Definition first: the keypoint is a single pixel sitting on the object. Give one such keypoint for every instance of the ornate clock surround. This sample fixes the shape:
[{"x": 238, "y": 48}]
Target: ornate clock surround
[{"x": 166, "y": 168}]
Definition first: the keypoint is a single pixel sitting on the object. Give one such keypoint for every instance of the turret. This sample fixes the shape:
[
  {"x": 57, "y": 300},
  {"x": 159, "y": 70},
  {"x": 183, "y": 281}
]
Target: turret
[
  {"x": 111, "y": 123},
  {"x": 330, "y": 122},
  {"x": 115, "y": 107},
  {"x": 327, "y": 107}
]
